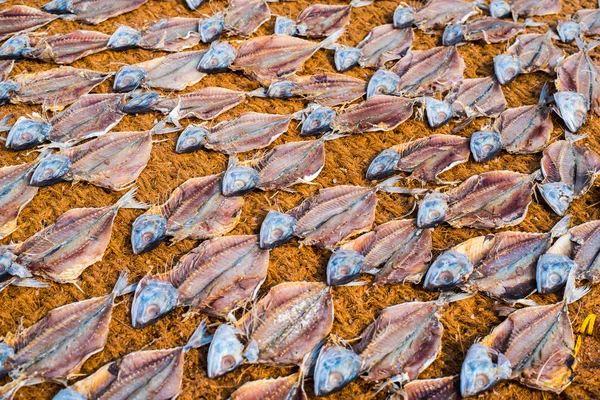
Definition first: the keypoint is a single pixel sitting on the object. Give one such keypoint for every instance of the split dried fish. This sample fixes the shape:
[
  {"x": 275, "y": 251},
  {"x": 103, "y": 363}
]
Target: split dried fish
[
  {"x": 55, "y": 347},
  {"x": 151, "y": 374},
  {"x": 487, "y": 201},
  {"x": 65, "y": 48},
  {"x": 436, "y": 14},
  {"x": 488, "y": 29},
  {"x": 377, "y": 113},
  {"x": 6, "y": 67},
  {"x": 91, "y": 11},
  {"x": 523, "y": 8},
  {"x": 196, "y": 209},
  {"x": 20, "y": 19},
  {"x": 243, "y": 17},
  {"x": 280, "y": 329},
  {"x": 383, "y": 44},
  {"x": 327, "y": 89},
  {"x": 579, "y": 73},
  {"x": 394, "y": 252},
  {"x": 216, "y": 278},
  {"x": 446, "y": 388},
  {"x": 289, "y": 387},
  {"x": 585, "y": 22}
]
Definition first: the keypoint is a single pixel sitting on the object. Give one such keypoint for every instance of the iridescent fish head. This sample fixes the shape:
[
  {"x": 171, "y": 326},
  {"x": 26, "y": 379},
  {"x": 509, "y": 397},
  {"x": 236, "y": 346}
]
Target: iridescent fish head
[
  {"x": 69, "y": 393},
  {"x": 558, "y": 195},
  {"x": 281, "y": 89},
  {"x": 344, "y": 266},
  {"x": 58, "y": 7},
  {"x": 124, "y": 38},
  {"x": 438, "y": 112},
  {"x": 506, "y": 67},
  {"x": 568, "y": 31},
  {"x": 285, "y": 26},
  {"x": 191, "y": 139},
  {"x": 211, "y": 28},
  {"x": 50, "y": 170},
  {"x": 453, "y": 34},
  {"x": 148, "y": 231},
  {"x": 382, "y": 82},
  {"x": 432, "y": 210},
  {"x": 318, "y": 121},
  {"x": 336, "y": 367},
  {"x": 572, "y": 108},
  {"x": 194, "y": 4},
  {"x": 485, "y": 145},
  {"x": 276, "y": 229},
  {"x": 499, "y": 9},
  {"x": 346, "y": 58},
  {"x": 447, "y": 271},
  {"x": 128, "y": 78},
  {"x": 480, "y": 371},
  {"x": 218, "y": 58},
  {"x": 552, "y": 272},
  {"x": 16, "y": 47},
  {"x": 383, "y": 165},
  {"x": 403, "y": 17},
  {"x": 225, "y": 351},
  {"x": 7, "y": 89},
  {"x": 27, "y": 133},
  {"x": 152, "y": 300},
  {"x": 239, "y": 180},
  {"x": 141, "y": 103}
]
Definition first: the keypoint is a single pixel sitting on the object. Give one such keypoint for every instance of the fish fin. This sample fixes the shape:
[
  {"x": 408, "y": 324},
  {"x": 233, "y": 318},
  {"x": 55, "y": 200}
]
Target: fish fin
[
  {"x": 121, "y": 285},
  {"x": 503, "y": 311},
  {"x": 233, "y": 161},
  {"x": 199, "y": 338},
  {"x": 8, "y": 391},
  {"x": 573, "y": 293},
  {"x": 400, "y": 378},
  {"x": 251, "y": 353},
  {"x": 545, "y": 96},
  {"x": 462, "y": 125},
  {"x": 260, "y": 92},
  {"x": 526, "y": 302},
  {"x": 31, "y": 282},
  {"x": 388, "y": 186},
  {"x": 447, "y": 298},
  {"x": 128, "y": 200},
  {"x": 360, "y": 3},
  {"x": 329, "y": 42},
  {"x": 161, "y": 127},
  {"x": 562, "y": 226},
  {"x": 332, "y": 136},
  {"x": 356, "y": 283},
  {"x": 571, "y": 137},
  {"x": 531, "y": 23},
  {"x": 4, "y": 121}
]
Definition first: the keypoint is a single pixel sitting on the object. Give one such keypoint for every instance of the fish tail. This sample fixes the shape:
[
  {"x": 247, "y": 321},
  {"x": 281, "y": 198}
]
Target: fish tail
[
  {"x": 31, "y": 283},
  {"x": 537, "y": 175},
  {"x": 388, "y": 186},
  {"x": 571, "y": 137},
  {"x": 161, "y": 127},
  {"x": 121, "y": 287},
  {"x": 332, "y": 136},
  {"x": 4, "y": 126},
  {"x": 572, "y": 292},
  {"x": 329, "y": 42},
  {"x": 447, "y": 298},
  {"x": 530, "y": 22},
  {"x": 8, "y": 391},
  {"x": 562, "y": 226},
  {"x": 360, "y": 3},
  {"x": 545, "y": 96},
  {"x": 199, "y": 338},
  {"x": 260, "y": 92},
  {"x": 128, "y": 200}
]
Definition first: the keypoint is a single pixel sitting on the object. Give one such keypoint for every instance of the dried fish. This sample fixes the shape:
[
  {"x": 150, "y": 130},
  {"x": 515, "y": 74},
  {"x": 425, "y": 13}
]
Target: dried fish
[
  {"x": 327, "y": 89},
  {"x": 377, "y": 113},
  {"x": 216, "y": 278},
  {"x": 479, "y": 97},
  {"x": 243, "y": 17},
  {"x": 486, "y": 201},
  {"x": 424, "y": 158},
  {"x": 446, "y": 388},
  {"x": 585, "y": 22},
  {"x": 488, "y": 29},
  {"x": 151, "y": 374},
  {"x": 55, "y": 347},
  {"x": 19, "y": 19},
  {"x": 523, "y": 8},
  {"x": 335, "y": 368},
  {"x": 91, "y": 11},
  {"x": 383, "y": 44},
  {"x": 569, "y": 172},
  {"x": 289, "y": 387},
  {"x": 436, "y": 14},
  {"x": 572, "y": 107},
  {"x": 196, "y": 209},
  {"x": 63, "y": 250},
  {"x": 395, "y": 252},
  {"x": 66, "y": 48},
  {"x": 280, "y": 329},
  {"x": 579, "y": 73},
  {"x": 6, "y": 67}
]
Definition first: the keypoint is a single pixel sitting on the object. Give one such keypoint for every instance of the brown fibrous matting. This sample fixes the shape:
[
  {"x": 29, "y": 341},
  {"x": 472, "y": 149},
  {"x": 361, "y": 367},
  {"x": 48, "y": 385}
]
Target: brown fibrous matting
[{"x": 346, "y": 162}]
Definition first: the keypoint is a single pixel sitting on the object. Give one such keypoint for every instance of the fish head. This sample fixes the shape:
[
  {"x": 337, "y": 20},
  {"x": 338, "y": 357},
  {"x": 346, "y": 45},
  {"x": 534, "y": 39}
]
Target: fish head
[
  {"x": 336, "y": 367},
  {"x": 506, "y": 67},
  {"x": 225, "y": 351},
  {"x": 58, "y": 7},
  {"x": 281, "y": 89},
  {"x": 499, "y": 9},
  {"x": 128, "y": 78},
  {"x": 147, "y": 232},
  {"x": 346, "y": 58},
  {"x": 438, "y": 112},
  {"x": 211, "y": 28},
  {"x": 453, "y": 34},
  {"x": 239, "y": 180},
  {"x": 485, "y": 145},
  {"x": 15, "y": 47},
  {"x": 568, "y": 31},
  {"x": 69, "y": 393},
  {"x": 403, "y": 17},
  {"x": 27, "y": 133},
  {"x": 7, "y": 88},
  {"x": 318, "y": 121},
  {"x": 141, "y": 103},
  {"x": 447, "y": 271},
  {"x": 50, "y": 170},
  {"x": 124, "y": 38},
  {"x": 194, "y": 4},
  {"x": 6, "y": 352},
  {"x": 383, "y": 165},
  {"x": 344, "y": 266},
  {"x": 152, "y": 300},
  {"x": 552, "y": 272},
  {"x": 285, "y": 26},
  {"x": 191, "y": 139},
  {"x": 382, "y": 82},
  {"x": 572, "y": 108},
  {"x": 558, "y": 195},
  {"x": 218, "y": 58},
  {"x": 432, "y": 210},
  {"x": 480, "y": 372},
  {"x": 276, "y": 229}
]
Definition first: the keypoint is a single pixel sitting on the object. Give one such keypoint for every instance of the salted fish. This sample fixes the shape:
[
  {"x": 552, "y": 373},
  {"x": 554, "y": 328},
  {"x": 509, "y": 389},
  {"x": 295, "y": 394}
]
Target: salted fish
[
  {"x": 63, "y": 250},
  {"x": 91, "y": 11},
  {"x": 377, "y": 113},
  {"x": 6, "y": 67},
  {"x": 66, "y": 48},
  {"x": 55, "y": 88},
  {"x": 281, "y": 329},
  {"x": 523, "y": 8},
  {"x": 446, "y": 388},
  {"x": 487, "y": 201},
  {"x": 534, "y": 345},
  {"x": 569, "y": 172},
  {"x": 579, "y": 73},
  {"x": 216, "y": 278},
  {"x": 20, "y": 19},
  {"x": 585, "y": 22},
  {"x": 478, "y": 97},
  {"x": 90, "y": 116},
  {"x": 289, "y": 387},
  {"x": 488, "y": 29},
  {"x": 383, "y": 44},
  {"x": 424, "y": 159},
  {"x": 395, "y": 252},
  {"x": 172, "y": 34},
  {"x": 326, "y": 89},
  {"x": 244, "y": 17},
  {"x": 436, "y": 14},
  {"x": 196, "y": 209},
  {"x": 55, "y": 347},
  {"x": 150, "y": 374}
]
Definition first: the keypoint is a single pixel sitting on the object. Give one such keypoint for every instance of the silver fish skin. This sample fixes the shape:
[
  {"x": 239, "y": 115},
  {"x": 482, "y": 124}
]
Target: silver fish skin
[
  {"x": 69, "y": 47},
  {"x": 6, "y": 67},
  {"x": 91, "y": 11},
  {"x": 172, "y": 34},
  {"x": 383, "y": 44},
  {"x": 488, "y": 29},
  {"x": 327, "y": 89},
  {"x": 446, "y": 388},
  {"x": 536, "y": 52},
  {"x": 436, "y": 14},
  {"x": 425, "y": 72},
  {"x": 579, "y": 73},
  {"x": 377, "y": 113},
  {"x": 481, "y": 97},
  {"x": 15, "y": 194},
  {"x": 531, "y": 8},
  {"x": 21, "y": 18},
  {"x": 289, "y": 387},
  {"x": 244, "y": 17},
  {"x": 55, "y": 347}
]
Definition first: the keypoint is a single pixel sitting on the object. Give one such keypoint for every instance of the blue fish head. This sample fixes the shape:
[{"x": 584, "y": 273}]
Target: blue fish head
[
  {"x": 552, "y": 272},
  {"x": 191, "y": 139},
  {"x": 453, "y": 34},
  {"x": 318, "y": 121},
  {"x": 558, "y": 195},
  {"x": 218, "y": 58},
  {"x": 281, "y": 89},
  {"x": 7, "y": 89},
  {"x": 239, "y": 180},
  {"x": 50, "y": 170},
  {"x": 124, "y": 38},
  {"x": 499, "y": 9},
  {"x": 573, "y": 108},
  {"x": 344, "y": 266},
  {"x": 194, "y": 4},
  {"x": 382, "y": 82},
  {"x": 568, "y": 31},
  {"x": 403, "y": 17},
  {"x": 447, "y": 271},
  {"x": 211, "y": 28},
  {"x": 438, "y": 112},
  {"x": 336, "y": 367},
  {"x": 69, "y": 393},
  {"x": 27, "y": 133},
  {"x": 432, "y": 210},
  {"x": 141, "y": 103},
  {"x": 482, "y": 369},
  {"x": 506, "y": 67},
  {"x": 225, "y": 352},
  {"x": 15, "y": 48},
  {"x": 129, "y": 78},
  {"x": 346, "y": 58},
  {"x": 383, "y": 165},
  {"x": 148, "y": 231},
  {"x": 285, "y": 26},
  {"x": 59, "y": 7},
  {"x": 153, "y": 299},
  {"x": 485, "y": 145},
  {"x": 276, "y": 229}
]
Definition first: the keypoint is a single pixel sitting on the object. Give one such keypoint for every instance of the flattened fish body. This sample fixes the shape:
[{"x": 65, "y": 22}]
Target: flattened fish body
[
  {"x": 525, "y": 129},
  {"x": 491, "y": 30},
  {"x": 173, "y": 72},
  {"x": 384, "y": 43},
  {"x": 477, "y": 97},
  {"x": 64, "y": 49},
  {"x": 205, "y": 103},
  {"x": 377, "y": 113},
  {"x": 589, "y": 21},
  {"x": 15, "y": 193},
  {"x": 95, "y": 11},
  {"x": 244, "y": 17},
  {"x": 536, "y": 52},
  {"x": 6, "y": 67},
  {"x": 19, "y": 19},
  {"x": 578, "y": 73},
  {"x": 438, "y": 13},
  {"x": 284, "y": 388},
  {"x": 585, "y": 243},
  {"x": 320, "y": 20},
  {"x": 530, "y": 8},
  {"x": 329, "y": 89},
  {"x": 446, "y": 388},
  {"x": 172, "y": 34}
]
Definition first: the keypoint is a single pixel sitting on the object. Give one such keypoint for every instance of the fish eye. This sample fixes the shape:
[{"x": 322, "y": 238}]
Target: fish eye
[
  {"x": 446, "y": 277},
  {"x": 152, "y": 311},
  {"x": 47, "y": 173},
  {"x": 191, "y": 140},
  {"x": 335, "y": 378},
  {"x": 26, "y": 136},
  {"x": 228, "y": 362},
  {"x": 277, "y": 233},
  {"x": 554, "y": 278},
  {"x": 147, "y": 237},
  {"x": 579, "y": 114},
  {"x": 481, "y": 381}
]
